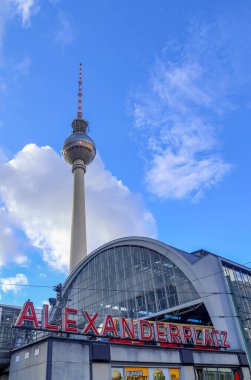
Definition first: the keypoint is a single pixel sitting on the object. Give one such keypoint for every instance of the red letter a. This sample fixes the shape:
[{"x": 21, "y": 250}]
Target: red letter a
[{"x": 27, "y": 314}]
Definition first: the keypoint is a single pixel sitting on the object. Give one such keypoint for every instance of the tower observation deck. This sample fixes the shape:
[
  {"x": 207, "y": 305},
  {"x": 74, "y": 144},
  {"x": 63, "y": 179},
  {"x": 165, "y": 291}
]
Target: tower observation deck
[{"x": 79, "y": 151}]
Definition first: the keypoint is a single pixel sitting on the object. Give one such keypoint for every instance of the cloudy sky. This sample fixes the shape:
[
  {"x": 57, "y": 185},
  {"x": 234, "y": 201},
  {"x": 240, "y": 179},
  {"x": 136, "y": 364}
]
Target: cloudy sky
[{"x": 167, "y": 96}]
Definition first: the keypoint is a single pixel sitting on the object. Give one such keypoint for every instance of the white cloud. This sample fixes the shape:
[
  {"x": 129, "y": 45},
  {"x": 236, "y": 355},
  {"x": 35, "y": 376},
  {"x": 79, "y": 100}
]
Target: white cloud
[
  {"x": 12, "y": 284},
  {"x": 65, "y": 33},
  {"x": 25, "y": 9},
  {"x": 10, "y": 245},
  {"x": 21, "y": 260},
  {"x": 36, "y": 188},
  {"x": 178, "y": 175},
  {"x": 32, "y": 192},
  {"x": 112, "y": 209},
  {"x": 177, "y": 117}
]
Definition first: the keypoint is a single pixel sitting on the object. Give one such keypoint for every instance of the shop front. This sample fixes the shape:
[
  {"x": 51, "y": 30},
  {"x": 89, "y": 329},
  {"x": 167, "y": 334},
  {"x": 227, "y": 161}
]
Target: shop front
[{"x": 53, "y": 358}]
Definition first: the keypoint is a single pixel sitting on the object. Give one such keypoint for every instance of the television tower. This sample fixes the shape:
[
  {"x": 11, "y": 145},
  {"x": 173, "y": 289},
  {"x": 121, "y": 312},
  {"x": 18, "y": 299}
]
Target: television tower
[{"x": 79, "y": 151}]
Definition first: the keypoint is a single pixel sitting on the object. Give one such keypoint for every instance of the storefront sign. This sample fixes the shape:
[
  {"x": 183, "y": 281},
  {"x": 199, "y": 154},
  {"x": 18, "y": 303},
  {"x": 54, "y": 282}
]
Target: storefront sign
[
  {"x": 136, "y": 374},
  {"x": 125, "y": 328}
]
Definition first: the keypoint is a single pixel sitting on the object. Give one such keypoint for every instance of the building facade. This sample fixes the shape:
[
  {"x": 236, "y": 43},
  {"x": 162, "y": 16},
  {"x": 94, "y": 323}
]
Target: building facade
[{"x": 141, "y": 279}]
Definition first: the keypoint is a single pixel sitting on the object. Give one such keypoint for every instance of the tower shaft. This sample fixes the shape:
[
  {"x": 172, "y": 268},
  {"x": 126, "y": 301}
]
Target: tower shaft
[{"x": 78, "y": 228}]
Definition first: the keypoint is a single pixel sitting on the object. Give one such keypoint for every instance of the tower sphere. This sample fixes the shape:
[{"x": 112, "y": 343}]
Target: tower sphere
[{"x": 79, "y": 146}]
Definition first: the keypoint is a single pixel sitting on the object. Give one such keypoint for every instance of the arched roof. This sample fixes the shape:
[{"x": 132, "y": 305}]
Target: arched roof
[{"x": 182, "y": 259}]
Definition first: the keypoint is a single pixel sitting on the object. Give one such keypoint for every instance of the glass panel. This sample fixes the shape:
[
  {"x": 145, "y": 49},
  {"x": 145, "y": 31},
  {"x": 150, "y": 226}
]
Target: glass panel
[
  {"x": 215, "y": 373},
  {"x": 210, "y": 374},
  {"x": 225, "y": 374},
  {"x": 8, "y": 336}
]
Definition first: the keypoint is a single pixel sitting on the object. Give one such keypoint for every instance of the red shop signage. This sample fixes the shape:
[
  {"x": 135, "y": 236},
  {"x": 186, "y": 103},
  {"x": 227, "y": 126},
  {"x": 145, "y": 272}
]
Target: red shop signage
[{"x": 125, "y": 328}]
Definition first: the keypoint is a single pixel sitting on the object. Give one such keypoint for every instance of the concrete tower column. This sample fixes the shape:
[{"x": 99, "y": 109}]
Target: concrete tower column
[{"x": 78, "y": 227}]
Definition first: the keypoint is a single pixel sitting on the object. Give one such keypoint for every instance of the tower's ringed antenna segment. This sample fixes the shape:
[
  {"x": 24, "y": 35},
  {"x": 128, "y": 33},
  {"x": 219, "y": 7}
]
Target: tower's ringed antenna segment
[{"x": 80, "y": 92}]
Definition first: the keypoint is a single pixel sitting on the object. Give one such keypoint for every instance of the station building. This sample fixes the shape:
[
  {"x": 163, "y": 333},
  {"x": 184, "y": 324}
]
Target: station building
[{"x": 145, "y": 280}]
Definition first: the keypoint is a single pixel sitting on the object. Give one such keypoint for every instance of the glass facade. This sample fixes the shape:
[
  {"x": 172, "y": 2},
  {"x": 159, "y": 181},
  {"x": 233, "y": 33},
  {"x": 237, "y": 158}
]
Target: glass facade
[
  {"x": 8, "y": 316},
  {"x": 239, "y": 282},
  {"x": 13, "y": 337},
  {"x": 129, "y": 281}
]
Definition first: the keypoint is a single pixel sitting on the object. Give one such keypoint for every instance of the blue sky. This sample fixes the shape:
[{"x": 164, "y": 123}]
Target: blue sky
[{"x": 167, "y": 96}]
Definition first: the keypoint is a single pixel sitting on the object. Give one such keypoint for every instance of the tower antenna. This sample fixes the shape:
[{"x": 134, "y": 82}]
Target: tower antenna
[{"x": 80, "y": 113}]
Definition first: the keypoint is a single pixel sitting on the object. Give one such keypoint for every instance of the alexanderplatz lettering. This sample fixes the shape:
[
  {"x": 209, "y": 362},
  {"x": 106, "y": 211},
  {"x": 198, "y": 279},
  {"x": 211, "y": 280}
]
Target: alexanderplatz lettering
[{"x": 125, "y": 328}]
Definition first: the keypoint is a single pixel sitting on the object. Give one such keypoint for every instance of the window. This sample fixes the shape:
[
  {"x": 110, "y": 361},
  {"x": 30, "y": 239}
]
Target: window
[{"x": 217, "y": 374}]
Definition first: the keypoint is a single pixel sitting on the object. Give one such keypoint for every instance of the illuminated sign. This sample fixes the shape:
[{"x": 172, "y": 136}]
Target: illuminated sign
[{"x": 125, "y": 328}]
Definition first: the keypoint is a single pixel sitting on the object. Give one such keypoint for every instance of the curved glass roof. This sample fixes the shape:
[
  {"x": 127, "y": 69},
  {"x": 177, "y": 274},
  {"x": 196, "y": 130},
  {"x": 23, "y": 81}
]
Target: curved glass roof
[{"x": 130, "y": 281}]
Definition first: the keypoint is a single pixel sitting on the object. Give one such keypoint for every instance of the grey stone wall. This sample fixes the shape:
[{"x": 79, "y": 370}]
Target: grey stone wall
[
  {"x": 29, "y": 363},
  {"x": 70, "y": 361}
]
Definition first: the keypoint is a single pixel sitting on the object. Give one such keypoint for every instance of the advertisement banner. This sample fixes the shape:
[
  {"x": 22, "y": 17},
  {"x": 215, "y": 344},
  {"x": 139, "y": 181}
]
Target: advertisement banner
[
  {"x": 136, "y": 373},
  {"x": 141, "y": 373},
  {"x": 158, "y": 374}
]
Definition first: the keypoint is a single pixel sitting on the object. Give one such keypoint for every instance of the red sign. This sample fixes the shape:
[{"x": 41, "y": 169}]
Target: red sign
[{"x": 128, "y": 329}]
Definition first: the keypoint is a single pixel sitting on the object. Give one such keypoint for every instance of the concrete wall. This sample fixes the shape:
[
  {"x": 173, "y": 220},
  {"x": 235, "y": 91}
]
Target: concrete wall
[
  {"x": 51, "y": 360},
  {"x": 246, "y": 373},
  {"x": 144, "y": 355},
  {"x": 216, "y": 358},
  {"x": 70, "y": 361},
  {"x": 101, "y": 371},
  {"x": 29, "y": 363}
]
